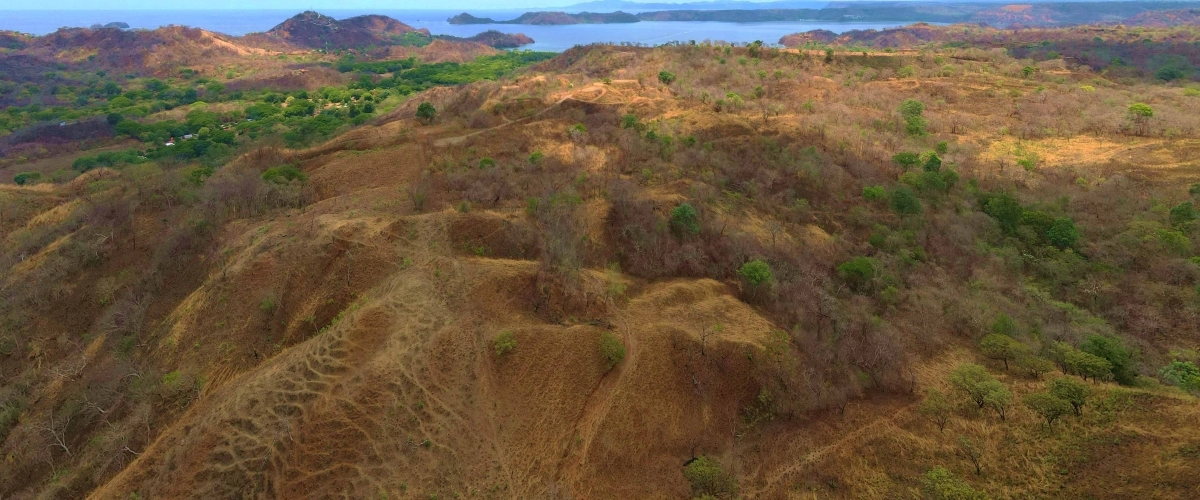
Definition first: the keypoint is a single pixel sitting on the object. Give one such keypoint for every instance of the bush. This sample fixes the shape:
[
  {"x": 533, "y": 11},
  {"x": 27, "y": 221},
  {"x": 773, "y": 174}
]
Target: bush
[
  {"x": 504, "y": 343},
  {"x": 941, "y": 484},
  {"x": 1183, "y": 374},
  {"x": 756, "y": 272},
  {"x": 1047, "y": 405},
  {"x": 284, "y": 174},
  {"x": 874, "y": 193},
  {"x": 1182, "y": 214},
  {"x": 709, "y": 478},
  {"x": 859, "y": 273},
  {"x": 666, "y": 77},
  {"x": 426, "y": 113},
  {"x": 1072, "y": 391},
  {"x": 24, "y": 178},
  {"x": 612, "y": 351},
  {"x": 685, "y": 220}
]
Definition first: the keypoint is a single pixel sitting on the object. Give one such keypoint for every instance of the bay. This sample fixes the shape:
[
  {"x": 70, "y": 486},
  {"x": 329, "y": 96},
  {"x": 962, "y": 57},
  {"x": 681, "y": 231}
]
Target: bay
[{"x": 548, "y": 38}]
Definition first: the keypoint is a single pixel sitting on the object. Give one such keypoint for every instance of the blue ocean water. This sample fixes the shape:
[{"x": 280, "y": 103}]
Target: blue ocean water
[{"x": 550, "y": 38}]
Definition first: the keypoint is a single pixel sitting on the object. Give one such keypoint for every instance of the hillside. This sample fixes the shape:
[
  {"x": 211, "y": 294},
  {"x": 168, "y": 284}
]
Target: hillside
[{"x": 688, "y": 271}]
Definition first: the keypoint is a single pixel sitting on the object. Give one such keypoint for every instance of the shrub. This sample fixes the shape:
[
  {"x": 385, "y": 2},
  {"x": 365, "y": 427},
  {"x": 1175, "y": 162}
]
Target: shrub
[
  {"x": 859, "y": 273},
  {"x": 666, "y": 77},
  {"x": 1033, "y": 366},
  {"x": 1072, "y": 391},
  {"x": 629, "y": 121},
  {"x": 756, "y": 272},
  {"x": 1047, "y": 405},
  {"x": 426, "y": 113},
  {"x": 1183, "y": 374},
  {"x": 709, "y": 478},
  {"x": 284, "y": 174},
  {"x": 941, "y": 484},
  {"x": 874, "y": 193},
  {"x": 24, "y": 178},
  {"x": 612, "y": 351},
  {"x": 504, "y": 343},
  {"x": 685, "y": 220}
]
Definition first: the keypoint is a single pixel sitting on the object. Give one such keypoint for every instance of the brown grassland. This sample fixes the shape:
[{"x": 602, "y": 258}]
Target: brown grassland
[{"x": 430, "y": 313}]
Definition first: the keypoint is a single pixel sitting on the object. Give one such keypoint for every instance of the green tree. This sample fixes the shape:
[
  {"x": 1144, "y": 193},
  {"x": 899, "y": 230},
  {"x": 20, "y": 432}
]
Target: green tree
[
  {"x": 1002, "y": 347},
  {"x": 709, "y": 478},
  {"x": 426, "y": 112},
  {"x": 860, "y": 273},
  {"x": 936, "y": 407},
  {"x": 1182, "y": 214},
  {"x": 1113, "y": 350},
  {"x": 933, "y": 162},
  {"x": 941, "y": 484},
  {"x": 1033, "y": 366},
  {"x": 1183, "y": 374},
  {"x": 1005, "y": 209},
  {"x": 911, "y": 110},
  {"x": 974, "y": 381},
  {"x": 666, "y": 77},
  {"x": 612, "y": 351},
  {"x": 906, "y": 159},
  {"x": 997, "y": 397},
  {"x": 1140, "y": 111},
  {"x": 1072, "y": 391},
  {"x": 874, "y": 193},
  {"x": 757, "y": 273},
  {"x": 1088, "y": 365},
  {"x": 1063, "y": 233},
  {"x": 905, "y": 201},
  {"x": 1047, "y": 405},
  {"x": 685, "y": 220}
]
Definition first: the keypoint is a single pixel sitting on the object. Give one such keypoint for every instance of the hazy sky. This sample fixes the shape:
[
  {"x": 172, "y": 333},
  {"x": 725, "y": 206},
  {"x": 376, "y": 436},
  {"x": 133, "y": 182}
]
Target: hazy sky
[{"x": 296, "y": 5}]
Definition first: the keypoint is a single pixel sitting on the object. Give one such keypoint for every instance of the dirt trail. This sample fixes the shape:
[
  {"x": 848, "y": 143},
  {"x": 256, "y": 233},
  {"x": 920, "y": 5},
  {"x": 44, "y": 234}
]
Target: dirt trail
[
  {"x": 773, "y": 481},
  {"x": 598, "y": 405}
]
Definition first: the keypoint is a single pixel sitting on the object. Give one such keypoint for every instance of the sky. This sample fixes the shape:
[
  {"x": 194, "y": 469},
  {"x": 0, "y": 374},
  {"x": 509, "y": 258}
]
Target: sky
[{"x": 296, "y": 5}]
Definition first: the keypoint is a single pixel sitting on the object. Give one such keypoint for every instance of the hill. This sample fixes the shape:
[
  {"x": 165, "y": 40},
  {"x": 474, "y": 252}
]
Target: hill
[{"x": 688, "y": 271}]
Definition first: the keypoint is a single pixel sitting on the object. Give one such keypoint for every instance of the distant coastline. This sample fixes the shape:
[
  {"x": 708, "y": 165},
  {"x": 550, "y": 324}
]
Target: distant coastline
[{"x": 995, "y": 14}]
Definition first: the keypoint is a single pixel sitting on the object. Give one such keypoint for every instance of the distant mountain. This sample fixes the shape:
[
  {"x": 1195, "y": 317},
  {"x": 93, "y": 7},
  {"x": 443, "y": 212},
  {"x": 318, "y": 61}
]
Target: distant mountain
[
  {"x": 314, "y": 30},
  {"x": 494, "y": 39},
  {"x": 607, "y": 5},
  {"x": 551, "y": 18}
]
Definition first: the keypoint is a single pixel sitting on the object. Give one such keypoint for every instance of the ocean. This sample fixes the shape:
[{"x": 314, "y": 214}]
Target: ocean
[{"x": 548, "y": 38}]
